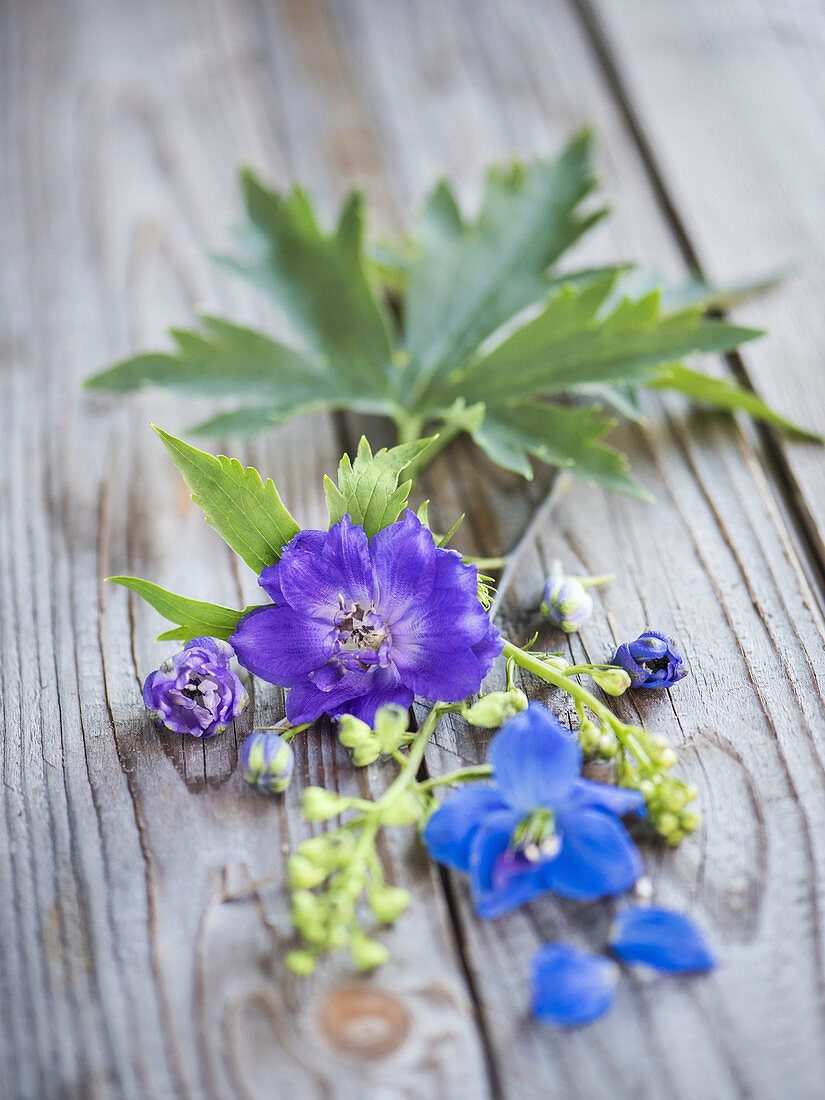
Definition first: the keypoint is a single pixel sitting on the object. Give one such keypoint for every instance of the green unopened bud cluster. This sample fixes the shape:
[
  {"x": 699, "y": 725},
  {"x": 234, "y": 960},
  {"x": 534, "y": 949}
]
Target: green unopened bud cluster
[
  {"x": 346, "y": 866},
  {"x": 367, "y": 742},
  {"x": 597, "y": 743},
  {"x": 666, "y": 796}
]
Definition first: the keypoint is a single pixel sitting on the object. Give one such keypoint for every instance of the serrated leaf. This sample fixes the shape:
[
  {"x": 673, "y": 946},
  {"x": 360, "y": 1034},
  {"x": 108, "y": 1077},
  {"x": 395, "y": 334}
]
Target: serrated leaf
[
  {"x": 569, "y": 437},
  {"x": 225, "y": 360},
  {"x": 572, "y": 344},
  {"x": 195, "y": 617},
  {"x": 469, "y": 278},
  {"x": 246, "y": 511},
  {"x": 368, "y": 490},
  {"x": 318, "y": 279},
  {"x": 724, "y": 393}
]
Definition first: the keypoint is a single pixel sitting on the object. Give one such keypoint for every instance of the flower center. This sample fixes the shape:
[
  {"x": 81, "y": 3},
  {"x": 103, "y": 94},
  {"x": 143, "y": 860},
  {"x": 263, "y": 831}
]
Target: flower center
[
  {"x": 200, "y": 690},
  {"x": 358, "y": 627},
  {"x": 535, "y": 837},
  {"x": 658, "y": 664}
]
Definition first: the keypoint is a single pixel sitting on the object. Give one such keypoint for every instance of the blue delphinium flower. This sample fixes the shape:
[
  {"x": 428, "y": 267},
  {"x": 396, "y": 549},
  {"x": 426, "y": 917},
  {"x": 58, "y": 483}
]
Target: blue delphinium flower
[
  {"x": 539, "y": 826},
  {"x": 660, "y": 938},
  {"x": 196, "y": 691},
  {"x": 652, "y": 661},
  {"x": 267, "y": 762},
  {"x": 358, "y": 623},
  {"x": 571, "y": 987}
]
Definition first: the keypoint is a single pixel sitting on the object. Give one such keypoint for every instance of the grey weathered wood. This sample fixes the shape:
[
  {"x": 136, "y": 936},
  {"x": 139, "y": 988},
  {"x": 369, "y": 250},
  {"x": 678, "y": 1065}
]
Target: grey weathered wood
[
  {"x": 715, "y": 563},
  {"x": 730, "y": 97},
  {"x": 122, "y": 972}
]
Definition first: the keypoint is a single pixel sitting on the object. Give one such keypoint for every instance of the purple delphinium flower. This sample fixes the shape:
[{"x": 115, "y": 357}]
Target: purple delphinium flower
[
  {"x": 358, "y": 623},
  {"x": 652, "y": 661},
  {"x": 539, "y": 826},
  {"x": 660, "y": 938},
  {"x": 196, "y": 691},
  {"x": 571, "y": 987}
]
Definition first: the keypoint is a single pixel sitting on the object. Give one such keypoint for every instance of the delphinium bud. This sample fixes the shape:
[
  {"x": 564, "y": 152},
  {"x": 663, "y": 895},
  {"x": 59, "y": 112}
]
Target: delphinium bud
[
  {"x": 267, "y": 762},
  {"x": 613, "y": 681},
  {"x": 195, "y": 691},
  {"x": 652, "y": 661},
  {"x": 388, "y": 902},
  {"x": 567, "y": 603},
  {"x": 491, "y": 710},
  {"x": 320, "y": 804}
]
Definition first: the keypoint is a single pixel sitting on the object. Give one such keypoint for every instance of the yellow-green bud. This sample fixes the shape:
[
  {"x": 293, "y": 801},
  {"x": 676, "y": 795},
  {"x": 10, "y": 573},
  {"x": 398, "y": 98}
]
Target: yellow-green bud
[
  {"x": 329, "y": 851},
  {"x": 391, "y": 723},
  {"x": 493, "y": 709},
  {"x": 301, "y": 962},
  {"x": 366, "y": 953},
  {"x": 367, "y": 754},
  {"x": 388, "y": 902},
  {"x": 689, "y": 820},
  {"x": 353, "y": 733},
  {"x": 303, "y": 874},
  {"x": 319, "y": 804},
  {"x": 404, "y": 810},
  {"x": 667, "y": 824},
  {"x": 615, "y": 681}
]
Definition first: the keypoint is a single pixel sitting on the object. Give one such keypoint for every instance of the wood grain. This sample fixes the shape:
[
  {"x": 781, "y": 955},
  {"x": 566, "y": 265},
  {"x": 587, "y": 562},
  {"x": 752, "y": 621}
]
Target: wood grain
[{"x": 123, "y": 972}]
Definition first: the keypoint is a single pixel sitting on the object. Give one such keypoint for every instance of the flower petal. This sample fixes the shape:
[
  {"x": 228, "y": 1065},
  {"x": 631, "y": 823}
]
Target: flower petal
[
  {"x": 308, "y": 542},
  {"x": 404, "y": 565},
  {"x": 306, "y": 702},
  {"x": 213, "y": 650},
  {"x": 501, "y": 880},
  {"x": 280, "y": 644},
  {"x": 597, "y": 858},
  {"x": 661, "y": 938},
  {"x": 604, "y": 796},
  {"x": 313, "y": 574},
  {"x": 535, "y": 759},
  {"x": 571, "y": 987},
  {"x": 450, "y": 831}
]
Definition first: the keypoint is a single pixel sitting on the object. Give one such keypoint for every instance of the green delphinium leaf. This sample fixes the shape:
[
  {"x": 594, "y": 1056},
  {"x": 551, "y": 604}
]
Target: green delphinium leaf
[
  {"x": 246, "y": 511},
  {"x": 570, "y": 437},
  {"x": 368, "y": 490},
  {"x": 469, "y": 278},
  {"x": 225, "y": 360},
  {"x": 723, "y": 393},
  {"x": 319, "y": 280},
  {"x": 194, "y": 617},
  {"x": 571, "y": 344}
]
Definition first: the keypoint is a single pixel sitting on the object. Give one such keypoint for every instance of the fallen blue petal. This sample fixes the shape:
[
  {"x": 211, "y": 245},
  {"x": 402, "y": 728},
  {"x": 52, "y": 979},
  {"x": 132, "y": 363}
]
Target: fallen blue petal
[
  {"x": 660, "y": 938},
  {"x": 571, "y": 987}
]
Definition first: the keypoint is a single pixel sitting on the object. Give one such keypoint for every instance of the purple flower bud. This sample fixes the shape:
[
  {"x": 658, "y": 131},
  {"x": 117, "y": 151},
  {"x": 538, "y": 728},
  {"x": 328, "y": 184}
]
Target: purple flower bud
[
  {"x": 567, "y": 604},
  {"x": 267, "y": 762},
  {"x": 195, "y": 691},
  {"x": 652, "y": 661}
]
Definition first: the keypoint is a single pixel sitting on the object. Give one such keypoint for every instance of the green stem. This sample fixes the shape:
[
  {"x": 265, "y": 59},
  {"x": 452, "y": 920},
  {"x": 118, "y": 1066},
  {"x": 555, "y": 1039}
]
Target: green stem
[
  {"x": 605, "y": 578},
  {"x": 579, "y": 694},
  {"x": 460, "y": 775},
  {"x": 485, "y": 563}
]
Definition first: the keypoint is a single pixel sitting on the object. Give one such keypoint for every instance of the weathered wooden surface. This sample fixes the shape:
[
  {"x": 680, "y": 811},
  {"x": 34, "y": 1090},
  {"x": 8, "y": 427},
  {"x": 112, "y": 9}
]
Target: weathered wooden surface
[{"x": 122, "y": 970}]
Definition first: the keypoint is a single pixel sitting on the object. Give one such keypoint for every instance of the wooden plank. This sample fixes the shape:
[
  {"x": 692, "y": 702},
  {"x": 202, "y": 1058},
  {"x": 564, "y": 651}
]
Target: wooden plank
[
  {"x": 729, "y": 95},
  {"x": 123, "y": 973},
  {"x": 714, "y": 562}
]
